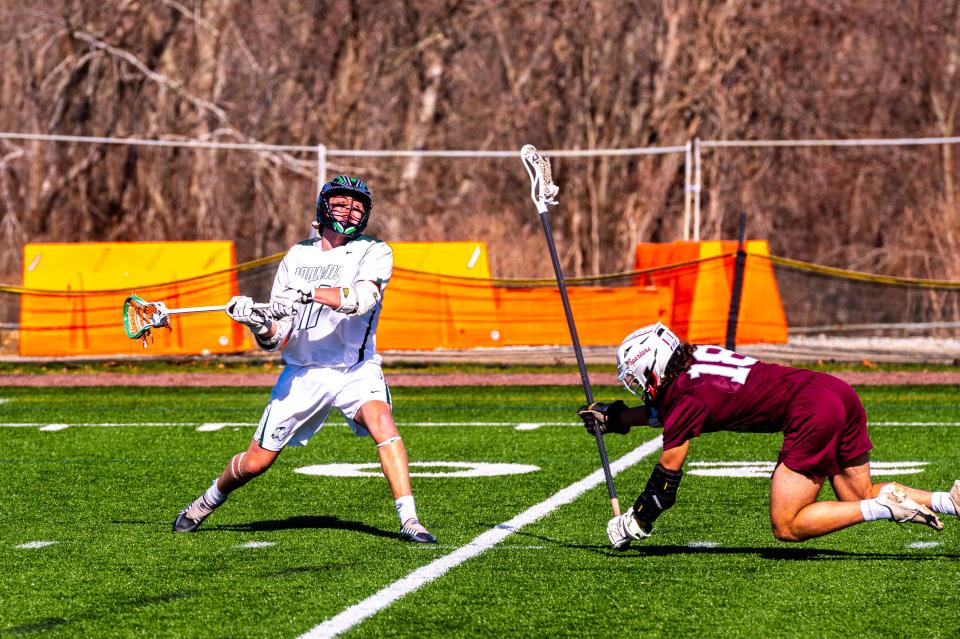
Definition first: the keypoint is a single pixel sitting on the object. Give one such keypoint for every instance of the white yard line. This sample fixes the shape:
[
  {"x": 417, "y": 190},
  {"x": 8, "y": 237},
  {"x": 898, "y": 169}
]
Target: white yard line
[
  {"x": 914, "y": 424},
  {"x": 36, "y": 544},
  {"x": 527, "y": 426},
  {"x": 923, "y": 544},
  {"x": 521, "y": 426},
  {"x": 214, "y": 426},
  {"x": 440, "y": 566}
]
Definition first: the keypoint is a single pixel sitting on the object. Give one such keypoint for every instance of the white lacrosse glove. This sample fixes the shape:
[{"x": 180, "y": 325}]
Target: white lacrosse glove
[
  {"x": 240, "y": 309},
  {"x": 624, "y": 529},
  {"x": 297, "y": 292}
]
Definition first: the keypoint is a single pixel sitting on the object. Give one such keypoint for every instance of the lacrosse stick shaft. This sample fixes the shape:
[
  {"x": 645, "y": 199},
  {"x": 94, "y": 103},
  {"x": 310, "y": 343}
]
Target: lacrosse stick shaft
[
  {"x": 206, "y": 309},
  {"x": 578, "y": 351}
]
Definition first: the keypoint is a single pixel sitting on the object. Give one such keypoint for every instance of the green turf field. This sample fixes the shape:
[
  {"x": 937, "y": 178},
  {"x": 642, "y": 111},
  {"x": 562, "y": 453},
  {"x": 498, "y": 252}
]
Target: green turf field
[{"x": 292, "y": 551}]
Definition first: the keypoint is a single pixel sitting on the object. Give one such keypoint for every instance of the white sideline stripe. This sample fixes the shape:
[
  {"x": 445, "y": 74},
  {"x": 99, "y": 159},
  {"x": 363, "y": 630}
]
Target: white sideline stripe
[
  {"x": 3, "y": 400},
  {"x": 702, "y": 544},
  {"x": 527, "y": 426},
  {"x": 55, "y": 427},
  {"x": 36, "y": 544},
  {"x": 102, "y": 424},
  {"x": 499, "y": 547},
  {"x": 257, "y": 544},
  {"x": 211, "y": 426},
  {"x": 378, "y": 601},
  {"x": 923, "y": 544},
  {"x": 914, "y": 424}
]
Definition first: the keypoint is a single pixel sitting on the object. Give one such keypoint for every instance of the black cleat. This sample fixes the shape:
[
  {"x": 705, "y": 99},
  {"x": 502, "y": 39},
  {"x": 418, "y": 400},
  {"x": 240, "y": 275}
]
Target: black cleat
[
  {"x": 192, "y": 516},
  {"x": 413, "y": 530}
]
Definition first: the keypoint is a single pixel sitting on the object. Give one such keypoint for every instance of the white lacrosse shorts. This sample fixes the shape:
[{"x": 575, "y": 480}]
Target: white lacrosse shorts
[{"x": 304, "y": 395}]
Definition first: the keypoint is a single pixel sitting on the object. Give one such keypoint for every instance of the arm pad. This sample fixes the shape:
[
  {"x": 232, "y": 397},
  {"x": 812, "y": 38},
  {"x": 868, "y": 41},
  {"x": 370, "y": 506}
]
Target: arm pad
[
  {"x": 659, "y": 494},
  {"x": 358, "y": 299}
]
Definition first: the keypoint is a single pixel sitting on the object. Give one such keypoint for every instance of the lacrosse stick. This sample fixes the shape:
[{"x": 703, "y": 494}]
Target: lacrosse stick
[
  {"x": 141, "y": 316},
  {"x": 544, "y": 192}
]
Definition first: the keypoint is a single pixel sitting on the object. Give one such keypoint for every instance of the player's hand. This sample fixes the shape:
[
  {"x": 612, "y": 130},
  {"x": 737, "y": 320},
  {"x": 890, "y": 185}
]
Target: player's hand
[
  {"x": 604, "y": 418},
  {"x": 240, "y": 309},
  {"x": 297, "y": 292}
]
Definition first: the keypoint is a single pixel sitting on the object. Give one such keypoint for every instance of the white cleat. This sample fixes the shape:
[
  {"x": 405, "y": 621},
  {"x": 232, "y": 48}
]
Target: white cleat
[
  {"x": 193, "y": 515},
  {"x": 413, "y": 530},
  {"x": 624, "y": 529},
  {"x": 904, "y": 510}
]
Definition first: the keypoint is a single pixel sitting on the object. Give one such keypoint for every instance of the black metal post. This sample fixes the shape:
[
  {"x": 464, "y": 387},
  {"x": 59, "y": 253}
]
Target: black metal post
[{"x": 736, "y": 289}]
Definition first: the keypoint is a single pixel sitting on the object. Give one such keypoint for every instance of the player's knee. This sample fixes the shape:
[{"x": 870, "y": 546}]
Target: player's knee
[
  {"x": 784, "y": 531},
  {"x": 244, "y": 467},
  {"x": 255, "y": 468}
]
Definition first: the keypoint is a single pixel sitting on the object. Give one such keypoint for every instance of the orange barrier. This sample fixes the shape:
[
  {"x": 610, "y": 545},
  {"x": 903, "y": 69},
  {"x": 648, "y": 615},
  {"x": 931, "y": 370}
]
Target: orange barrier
[
  {"x": 448, "y": 301},
  {"x": 93, "y": 279},
  {"x": 603, "y": 315},
  {"x": 701, "y": 299},
  {"x": 441, "y": 296},
  {"x": 424, "y": 311}
]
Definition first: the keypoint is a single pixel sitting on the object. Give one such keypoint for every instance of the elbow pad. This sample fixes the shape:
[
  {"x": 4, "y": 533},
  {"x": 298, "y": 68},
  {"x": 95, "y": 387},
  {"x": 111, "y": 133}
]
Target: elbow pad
[{"x": 358, "y": 299}]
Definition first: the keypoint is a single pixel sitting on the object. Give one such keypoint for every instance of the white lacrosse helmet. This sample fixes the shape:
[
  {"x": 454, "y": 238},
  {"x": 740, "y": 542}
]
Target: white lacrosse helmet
[{"x": 642, "y": 359}]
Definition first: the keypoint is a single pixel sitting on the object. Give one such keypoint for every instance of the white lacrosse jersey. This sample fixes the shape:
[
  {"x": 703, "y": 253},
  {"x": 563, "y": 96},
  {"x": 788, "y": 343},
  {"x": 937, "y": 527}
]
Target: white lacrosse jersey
[{"x": 320, "y": 336}]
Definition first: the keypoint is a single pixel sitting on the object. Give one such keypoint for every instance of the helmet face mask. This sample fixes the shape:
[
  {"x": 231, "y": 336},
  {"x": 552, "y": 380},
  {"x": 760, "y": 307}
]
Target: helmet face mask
[
  {"x": 642, "y": 359},
  {"x": 346, "y": 186}
]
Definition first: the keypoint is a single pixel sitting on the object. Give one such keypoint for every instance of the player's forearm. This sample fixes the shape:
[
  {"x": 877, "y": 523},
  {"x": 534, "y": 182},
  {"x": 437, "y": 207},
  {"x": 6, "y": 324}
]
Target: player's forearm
[
  {"x": 327, "y": 296},
  {"x": 673, "y": 458},
  {"x": 636, "y": 416}
]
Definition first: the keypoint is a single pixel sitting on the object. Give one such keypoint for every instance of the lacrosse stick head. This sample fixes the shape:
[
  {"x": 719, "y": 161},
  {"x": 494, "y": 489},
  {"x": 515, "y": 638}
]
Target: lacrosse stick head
[
  {"x": 141, "y": 316},
  {"x": 543, "y": 191}
]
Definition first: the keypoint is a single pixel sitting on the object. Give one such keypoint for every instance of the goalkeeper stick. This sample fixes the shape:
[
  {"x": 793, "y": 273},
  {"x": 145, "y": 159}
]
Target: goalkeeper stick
[
  {"x": 141, "y": 316},
  {"x": 544, "y": 192}
]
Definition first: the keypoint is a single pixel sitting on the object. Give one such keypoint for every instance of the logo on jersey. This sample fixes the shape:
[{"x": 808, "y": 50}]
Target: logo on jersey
[{"x": 325, "y": 272}]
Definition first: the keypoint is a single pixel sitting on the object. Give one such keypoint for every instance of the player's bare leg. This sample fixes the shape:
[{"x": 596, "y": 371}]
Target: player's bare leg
[
  {"x": 855, "y": 484},
  {"x": 245, "y": 466},
  {"x": 795, "y": 515},
  {"x": 377, "y": 418},
  {"x": 241, "y": 468}
]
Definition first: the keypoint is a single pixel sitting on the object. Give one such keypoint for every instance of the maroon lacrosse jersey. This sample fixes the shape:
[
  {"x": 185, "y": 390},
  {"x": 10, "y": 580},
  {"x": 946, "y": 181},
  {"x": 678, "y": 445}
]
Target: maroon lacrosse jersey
[
  {"x": 823, "y": 421},
  {"x": 724, "y": 390}
]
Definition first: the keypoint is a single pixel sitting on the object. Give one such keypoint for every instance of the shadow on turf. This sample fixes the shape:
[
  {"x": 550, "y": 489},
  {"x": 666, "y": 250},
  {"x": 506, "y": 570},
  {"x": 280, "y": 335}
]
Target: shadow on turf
[
  {"x": 304, "y": 521},
  {"x": 792, "y": 553},
  {"x": 780, "y": 554}
]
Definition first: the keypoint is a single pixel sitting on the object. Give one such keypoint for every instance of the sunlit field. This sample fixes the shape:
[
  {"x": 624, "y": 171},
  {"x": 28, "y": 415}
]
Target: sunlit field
[{"x": 93, "y": 478}]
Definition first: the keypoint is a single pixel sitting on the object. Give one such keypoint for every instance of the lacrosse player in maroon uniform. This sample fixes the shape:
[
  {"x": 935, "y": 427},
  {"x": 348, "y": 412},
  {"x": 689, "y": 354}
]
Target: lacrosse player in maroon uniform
[{"x": 692, "y": 389}]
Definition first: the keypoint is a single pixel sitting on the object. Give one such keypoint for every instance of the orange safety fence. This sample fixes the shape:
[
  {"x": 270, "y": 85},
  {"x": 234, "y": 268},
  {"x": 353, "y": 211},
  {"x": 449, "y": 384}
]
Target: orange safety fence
[
  {"x": 448, "y": 301},
  {"x": 702, "y": 291},
  {"x": 72, "y": 305},
  {"x": 425, "y": 311}
]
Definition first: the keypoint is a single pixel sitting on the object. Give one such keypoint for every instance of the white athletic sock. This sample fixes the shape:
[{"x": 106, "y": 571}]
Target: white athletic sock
[
  {"x": 872, "y": 510},
  {"x": 213, "y": 496},
  {"x": 406, "y": 509},
  {"x": 941, "y": 503}
]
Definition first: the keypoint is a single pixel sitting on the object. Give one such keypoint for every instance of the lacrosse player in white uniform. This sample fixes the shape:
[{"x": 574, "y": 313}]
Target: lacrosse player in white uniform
[{"x": 323, "y": 315}]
